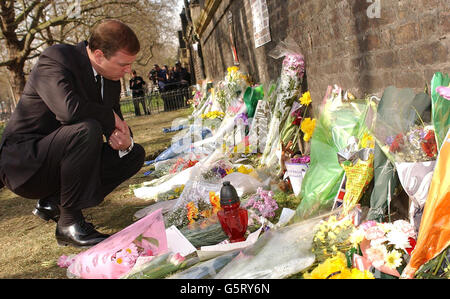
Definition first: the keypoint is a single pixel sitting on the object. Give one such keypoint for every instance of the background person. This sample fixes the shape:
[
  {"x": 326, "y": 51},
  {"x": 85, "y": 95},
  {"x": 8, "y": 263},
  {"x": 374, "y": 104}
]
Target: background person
[{"x": 138, "y": 93}]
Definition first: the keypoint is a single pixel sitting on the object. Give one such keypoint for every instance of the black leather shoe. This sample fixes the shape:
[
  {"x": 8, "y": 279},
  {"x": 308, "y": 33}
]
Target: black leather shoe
[
  {"x": 46, "y": 210},
  {"x": 81, "y": 235}
]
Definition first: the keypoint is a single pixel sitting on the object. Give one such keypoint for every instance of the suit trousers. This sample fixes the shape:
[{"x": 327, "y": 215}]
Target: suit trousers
[{"x": 80, "y": 170}]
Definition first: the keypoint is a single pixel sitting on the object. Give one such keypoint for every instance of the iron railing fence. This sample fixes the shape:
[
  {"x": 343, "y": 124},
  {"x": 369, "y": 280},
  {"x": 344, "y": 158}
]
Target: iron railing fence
[{"x": 155, "y": 102}]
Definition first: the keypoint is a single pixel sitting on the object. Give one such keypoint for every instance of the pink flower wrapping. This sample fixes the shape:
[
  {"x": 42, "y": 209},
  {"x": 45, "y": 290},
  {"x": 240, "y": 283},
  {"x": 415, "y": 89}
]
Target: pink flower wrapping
[{"x": 116, "y": 255}]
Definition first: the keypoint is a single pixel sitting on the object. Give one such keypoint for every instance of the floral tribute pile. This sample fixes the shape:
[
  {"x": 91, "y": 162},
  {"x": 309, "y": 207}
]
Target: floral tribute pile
[{"x": 309, "y": 178}]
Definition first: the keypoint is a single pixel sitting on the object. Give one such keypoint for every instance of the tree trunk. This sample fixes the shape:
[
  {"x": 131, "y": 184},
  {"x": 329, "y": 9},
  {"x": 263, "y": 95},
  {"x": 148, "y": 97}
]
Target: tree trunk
[{"x": 18, "y": 80}]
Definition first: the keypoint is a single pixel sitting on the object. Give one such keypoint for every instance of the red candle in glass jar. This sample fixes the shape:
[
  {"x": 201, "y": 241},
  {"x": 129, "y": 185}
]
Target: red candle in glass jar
[{"x": 233, "y": 218}]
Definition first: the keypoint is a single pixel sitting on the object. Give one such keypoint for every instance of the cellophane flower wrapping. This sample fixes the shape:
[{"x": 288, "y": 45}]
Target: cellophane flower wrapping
[
  {"x": 409, "y": 143},
  {"x": 288, "y": 89},
  {"x": 340, "y": 119},
  {"x": 115, "y": 256},
  {"x": 278, "y": 253},
  {"x": 207, "y": 269}
]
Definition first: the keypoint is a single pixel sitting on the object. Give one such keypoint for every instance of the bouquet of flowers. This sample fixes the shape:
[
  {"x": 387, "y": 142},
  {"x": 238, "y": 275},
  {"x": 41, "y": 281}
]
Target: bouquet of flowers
[
  {"x": 231, "y": 87},
  {"x": 341, "y": 117},
  {"x": 288, "y": 90},
  {"x": 332, "y": 238},
  {"x": 263, "y": 203},
  {"x": 409, "y": 143},
  {"x": 385, "y": 246},
  {"x": 194, "y": 211},
  {"x": 118, "y": 254},
  {"x": 182, "y": 164}
]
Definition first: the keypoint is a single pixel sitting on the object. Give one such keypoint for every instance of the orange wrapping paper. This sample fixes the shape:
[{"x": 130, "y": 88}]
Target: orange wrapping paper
[{"x": 434, "y": 233}]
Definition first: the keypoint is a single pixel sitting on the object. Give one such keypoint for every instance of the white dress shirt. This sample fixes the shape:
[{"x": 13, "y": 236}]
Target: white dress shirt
[{"x": 121, "y": 153}]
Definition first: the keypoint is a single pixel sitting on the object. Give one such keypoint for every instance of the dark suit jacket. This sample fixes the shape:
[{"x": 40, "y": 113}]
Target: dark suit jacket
[{"x": 60, "y": 91}]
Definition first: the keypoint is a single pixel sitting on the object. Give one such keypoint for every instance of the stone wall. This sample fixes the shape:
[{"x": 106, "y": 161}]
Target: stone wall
[{"x": 404, "y": 46}]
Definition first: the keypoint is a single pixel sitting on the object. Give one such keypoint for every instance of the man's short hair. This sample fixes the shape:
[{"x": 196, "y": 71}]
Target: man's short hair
[{"x": 110, "y": 36}]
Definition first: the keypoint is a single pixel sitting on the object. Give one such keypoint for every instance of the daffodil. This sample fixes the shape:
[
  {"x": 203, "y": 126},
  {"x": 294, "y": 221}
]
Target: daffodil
[
  {"x": 367, "y": 141},
  {"x": 232, "y": 69},
  {"x": 308, "y": 125},
  {"x": 306, "y": 99}
]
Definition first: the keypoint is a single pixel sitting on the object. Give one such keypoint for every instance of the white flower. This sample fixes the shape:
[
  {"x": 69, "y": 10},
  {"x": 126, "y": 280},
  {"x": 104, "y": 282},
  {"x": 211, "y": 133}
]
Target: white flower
[
  {"x": 398, "y": 239},
  {"x": 393, "y": 259},
  {"x": 356, "y": 237}
]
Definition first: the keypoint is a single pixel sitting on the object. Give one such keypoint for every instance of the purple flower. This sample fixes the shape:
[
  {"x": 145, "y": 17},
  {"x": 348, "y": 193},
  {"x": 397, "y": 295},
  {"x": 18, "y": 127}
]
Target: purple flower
[
  {"x": 301, "y": 160},
  {"x": 244, "y": 118},
  {"x": 263, "y": 202},
  {"x": 389, "y": 140}
]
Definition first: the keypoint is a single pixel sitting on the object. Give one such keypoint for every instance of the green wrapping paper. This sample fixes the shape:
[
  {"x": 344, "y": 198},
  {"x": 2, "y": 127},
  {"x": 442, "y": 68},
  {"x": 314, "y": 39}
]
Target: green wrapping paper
[
  {"x": 251, "y": 97},
  {"x": 340, "y": 119},
  {"x": 440, "y": 108}
]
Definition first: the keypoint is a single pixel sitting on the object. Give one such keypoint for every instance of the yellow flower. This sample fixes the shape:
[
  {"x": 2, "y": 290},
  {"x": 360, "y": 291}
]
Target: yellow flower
[
  {"x": 330, "y": 266},
  {"x": 215, "y": 202},
  {"x": 356, "y": 237},
  {"x": 244, "y": 170},
  {"x": 192, "y": 212},
  {"x": 320, "y": 236},
  {"x": 308, "y": 125},
  {"x": 306, "y": 99},
  {"x": 357, "y": 274},
  {"x": 228, "y": 171},
  {"x": 367, "y": 141},
  {"x": 393, "y": 259},
  {"x": 332, "y": 235},
  {"x": 232, "y": 69},
  {"x": 336, "y": 268}
]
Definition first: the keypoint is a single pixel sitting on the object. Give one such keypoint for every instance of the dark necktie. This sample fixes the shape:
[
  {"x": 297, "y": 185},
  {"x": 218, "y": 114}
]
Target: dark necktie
[{"x": 98, "y": 85}]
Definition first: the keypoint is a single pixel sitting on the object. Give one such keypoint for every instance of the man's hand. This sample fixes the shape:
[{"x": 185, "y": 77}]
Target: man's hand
[{"x": 120, "y": 139}]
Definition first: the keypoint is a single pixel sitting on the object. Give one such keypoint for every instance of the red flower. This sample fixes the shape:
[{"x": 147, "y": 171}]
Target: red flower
[
  {"x": 429, "y": 145},
  {"x": 398, "y": 141},
  {"x": 412, "y": 242}
]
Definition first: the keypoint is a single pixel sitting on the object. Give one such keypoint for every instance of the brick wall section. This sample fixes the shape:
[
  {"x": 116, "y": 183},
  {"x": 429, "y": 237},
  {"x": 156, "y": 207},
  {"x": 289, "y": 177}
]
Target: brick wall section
[{"x": 341, "y": 44}]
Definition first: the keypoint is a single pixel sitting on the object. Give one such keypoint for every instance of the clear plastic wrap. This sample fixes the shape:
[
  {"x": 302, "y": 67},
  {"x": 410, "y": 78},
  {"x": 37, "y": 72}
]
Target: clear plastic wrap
[
  {"x": 207, "y": 269},
  {"x": 288, "y": 89},
  {"x": 263, "y": 260},
  {"x": 409, "y": 143}
]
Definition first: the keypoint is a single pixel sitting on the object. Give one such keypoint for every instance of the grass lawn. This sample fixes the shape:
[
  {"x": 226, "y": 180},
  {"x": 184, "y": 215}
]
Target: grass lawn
[{"x": 28, "y": 248}]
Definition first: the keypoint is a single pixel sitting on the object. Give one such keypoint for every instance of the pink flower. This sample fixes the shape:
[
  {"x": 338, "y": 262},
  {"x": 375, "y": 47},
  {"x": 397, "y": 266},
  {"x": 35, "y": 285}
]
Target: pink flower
[
  {"x": 368, "y": 224},
  {"x": 65, "y": 261},
  {"x": 176, "y": 259},
  {"x": 374, "y": 233},
  {"x": 376, "y": 255},
  {"x": 444, "y": 92}
]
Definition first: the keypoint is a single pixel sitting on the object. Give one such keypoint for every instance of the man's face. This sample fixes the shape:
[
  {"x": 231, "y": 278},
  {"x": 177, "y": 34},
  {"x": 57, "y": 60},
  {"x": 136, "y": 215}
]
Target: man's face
[{"x": 116, "y": 66}]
